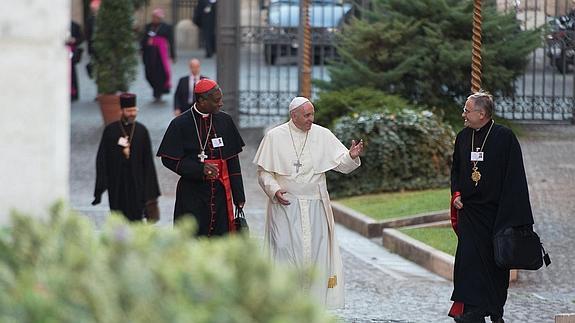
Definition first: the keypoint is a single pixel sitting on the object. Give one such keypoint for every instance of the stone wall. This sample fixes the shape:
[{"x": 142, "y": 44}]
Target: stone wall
[{"x": 35, "y": 122}]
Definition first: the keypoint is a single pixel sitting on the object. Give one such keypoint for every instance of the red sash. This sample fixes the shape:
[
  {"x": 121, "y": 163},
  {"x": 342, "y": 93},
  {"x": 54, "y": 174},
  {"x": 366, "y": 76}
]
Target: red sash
[
  {"x": 224, "y": 178},
  {"x": 163, "y": 47}
]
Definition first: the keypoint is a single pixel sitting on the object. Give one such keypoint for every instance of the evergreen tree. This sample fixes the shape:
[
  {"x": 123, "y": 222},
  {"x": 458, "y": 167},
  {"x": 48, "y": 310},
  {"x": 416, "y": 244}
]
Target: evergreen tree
[{"x": 421, "y": 50}]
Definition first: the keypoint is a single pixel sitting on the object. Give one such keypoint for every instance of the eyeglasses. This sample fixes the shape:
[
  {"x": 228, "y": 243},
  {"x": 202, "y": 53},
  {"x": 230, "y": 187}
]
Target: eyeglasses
[{"x": 466, "y": 111}]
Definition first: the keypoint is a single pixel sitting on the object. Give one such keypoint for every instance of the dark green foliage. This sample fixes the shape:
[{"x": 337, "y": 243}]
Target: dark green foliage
[
  {"x": 61, "y": 270},
  {"x": 404, "y": 150},
  {"x": 334, "y": 104},
  {"x": 421, "y": 50},
  {"x": 115, "y": 58}
]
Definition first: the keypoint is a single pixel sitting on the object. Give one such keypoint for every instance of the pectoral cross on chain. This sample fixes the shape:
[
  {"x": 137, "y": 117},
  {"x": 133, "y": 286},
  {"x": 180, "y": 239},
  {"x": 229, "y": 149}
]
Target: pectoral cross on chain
[
  {"x": 297, "y": 165},
  {"x": 202, "y": 156}
]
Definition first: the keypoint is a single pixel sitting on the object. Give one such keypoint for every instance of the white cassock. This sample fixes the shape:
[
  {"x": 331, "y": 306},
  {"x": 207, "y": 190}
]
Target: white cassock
[{"x": 302, "y": 234}]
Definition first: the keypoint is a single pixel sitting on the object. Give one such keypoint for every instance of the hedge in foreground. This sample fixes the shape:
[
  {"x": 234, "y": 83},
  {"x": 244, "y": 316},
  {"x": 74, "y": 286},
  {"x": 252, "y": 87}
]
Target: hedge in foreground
[
  {"x": 404, "y": 150},
  {"x": 61, "y": 270}
]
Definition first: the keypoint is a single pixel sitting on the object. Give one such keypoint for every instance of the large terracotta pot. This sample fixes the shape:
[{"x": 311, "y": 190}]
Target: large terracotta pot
[{"x": 110, "y": 107}]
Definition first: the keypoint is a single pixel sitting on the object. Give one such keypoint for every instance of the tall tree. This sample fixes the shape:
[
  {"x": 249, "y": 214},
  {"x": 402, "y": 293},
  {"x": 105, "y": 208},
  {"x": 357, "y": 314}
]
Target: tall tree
[{"x": 421, "y": 50}]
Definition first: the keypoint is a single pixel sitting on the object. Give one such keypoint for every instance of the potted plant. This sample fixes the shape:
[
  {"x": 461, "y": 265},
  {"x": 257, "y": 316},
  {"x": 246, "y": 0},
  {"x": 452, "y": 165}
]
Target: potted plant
[{"x": 115, "y": 58}]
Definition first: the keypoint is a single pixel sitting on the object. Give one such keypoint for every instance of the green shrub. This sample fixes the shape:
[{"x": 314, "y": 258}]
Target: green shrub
[
  {"x": 406, "y": 150},
  {"x": 61, "y": 270},
  {"x": 334, "y": 104}
]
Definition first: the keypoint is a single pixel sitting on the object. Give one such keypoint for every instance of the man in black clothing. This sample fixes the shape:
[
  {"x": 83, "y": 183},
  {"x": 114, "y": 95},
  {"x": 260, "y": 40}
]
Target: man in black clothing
[
  {"x": 158, "y": 53},
  {"x": 489, "y": 194},
  {"x": 184, "y": 97},
  {"x": 205, "y": 18},
  {"x": 125, "y": 166},
  {"x": 202, "y": 146}
]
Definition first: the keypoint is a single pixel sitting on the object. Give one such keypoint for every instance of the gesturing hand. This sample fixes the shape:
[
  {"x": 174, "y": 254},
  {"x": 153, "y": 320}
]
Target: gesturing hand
[
  {"x": 280, "y": 197},
  {"x": 355, "y": 149}
]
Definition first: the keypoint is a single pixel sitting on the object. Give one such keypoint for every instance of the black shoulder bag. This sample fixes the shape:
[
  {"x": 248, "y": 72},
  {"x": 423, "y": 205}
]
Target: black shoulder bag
[{"x": 519, "y": 248}]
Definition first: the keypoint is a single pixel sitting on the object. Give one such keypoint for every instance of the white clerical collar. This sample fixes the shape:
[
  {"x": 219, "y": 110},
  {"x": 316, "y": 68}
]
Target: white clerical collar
[
  {"x": 204, "y": 115},
  {"x": 295, "y": 128}
]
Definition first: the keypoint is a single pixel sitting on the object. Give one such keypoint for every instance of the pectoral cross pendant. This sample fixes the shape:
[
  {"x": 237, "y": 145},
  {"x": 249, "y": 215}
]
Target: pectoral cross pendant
[
  {"x": 297, "y": 165},
  {"x": 476, "y": 175},
  {"x": 202, "y": 156}
]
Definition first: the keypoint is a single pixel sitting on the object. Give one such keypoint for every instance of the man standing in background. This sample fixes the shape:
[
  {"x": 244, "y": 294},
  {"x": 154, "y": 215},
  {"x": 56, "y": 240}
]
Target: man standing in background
[
  {"x": 205, "y": 18},
  {"x": 157, "y": 46},
  {"x": 184, "y": 97}
]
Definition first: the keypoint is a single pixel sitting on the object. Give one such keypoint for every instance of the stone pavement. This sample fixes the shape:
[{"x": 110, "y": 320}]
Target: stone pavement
[{"x": 380, "y": 286}]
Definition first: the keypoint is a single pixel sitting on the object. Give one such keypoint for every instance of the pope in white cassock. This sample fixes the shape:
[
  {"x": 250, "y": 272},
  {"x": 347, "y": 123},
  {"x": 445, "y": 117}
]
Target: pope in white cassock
[{"x": 292, "y": 161}]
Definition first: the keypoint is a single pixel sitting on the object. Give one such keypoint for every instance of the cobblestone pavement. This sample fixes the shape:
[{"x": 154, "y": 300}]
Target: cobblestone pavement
[{"x": 376, "y": 291}]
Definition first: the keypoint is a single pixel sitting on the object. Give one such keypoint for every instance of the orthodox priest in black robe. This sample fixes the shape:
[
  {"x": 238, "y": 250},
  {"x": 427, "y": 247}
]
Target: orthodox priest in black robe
[
  {"x": 489, "y": 194},
  {"x": 125, "y": 166},
  {"x": 157, "y": 46},
  {"x": 202, "y": 146}
]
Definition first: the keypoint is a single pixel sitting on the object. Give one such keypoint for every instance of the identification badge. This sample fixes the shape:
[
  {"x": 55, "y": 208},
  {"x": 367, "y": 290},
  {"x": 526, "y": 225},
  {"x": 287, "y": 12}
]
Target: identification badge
[
  {"x": 151, "y": 33},
  {"x": 217, "y": 142},
  {"x": 123, "y": 141},
  {"x": 208, "y": 9},
  {"x": 476, "y": 156}
]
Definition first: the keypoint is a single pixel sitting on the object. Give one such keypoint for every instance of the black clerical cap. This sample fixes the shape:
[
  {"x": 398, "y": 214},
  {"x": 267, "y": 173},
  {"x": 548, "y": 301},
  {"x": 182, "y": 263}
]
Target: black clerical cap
[{"x": 127, "y": 100}]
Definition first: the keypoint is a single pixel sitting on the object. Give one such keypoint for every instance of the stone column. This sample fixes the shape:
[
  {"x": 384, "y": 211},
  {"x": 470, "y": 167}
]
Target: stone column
[
  {"x": 35, "y": 94},
  {"x": 228, "y": 52}
]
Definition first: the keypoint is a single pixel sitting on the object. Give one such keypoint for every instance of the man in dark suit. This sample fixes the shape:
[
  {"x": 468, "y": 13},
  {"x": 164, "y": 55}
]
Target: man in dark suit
[
  {"x": 205, "y": 18},
  {"x": 184, "y": 97}
]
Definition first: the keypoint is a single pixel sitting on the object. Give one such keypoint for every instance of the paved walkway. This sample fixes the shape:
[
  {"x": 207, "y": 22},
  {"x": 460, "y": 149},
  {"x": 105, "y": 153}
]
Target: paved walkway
[{"x": 380, "y": 286}]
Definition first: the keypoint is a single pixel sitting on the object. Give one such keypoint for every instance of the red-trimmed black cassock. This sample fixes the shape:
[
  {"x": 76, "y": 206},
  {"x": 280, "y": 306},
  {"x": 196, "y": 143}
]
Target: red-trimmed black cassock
[
  {"x": 499, "y": 200},
  {"x": 209, "y": 201}
]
